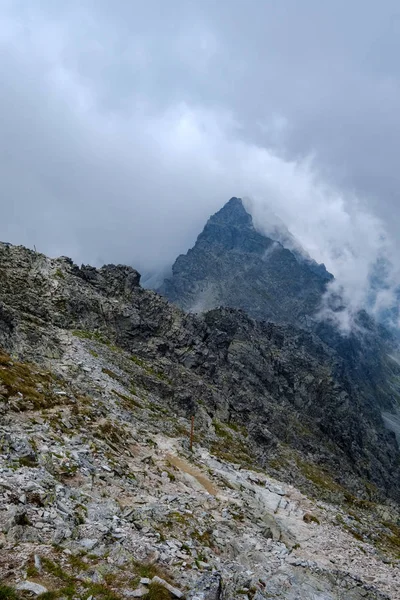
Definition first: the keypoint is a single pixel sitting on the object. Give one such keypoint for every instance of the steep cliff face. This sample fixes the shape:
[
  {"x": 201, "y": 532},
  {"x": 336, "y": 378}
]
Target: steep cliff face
[{"x": 234, "y": 265}]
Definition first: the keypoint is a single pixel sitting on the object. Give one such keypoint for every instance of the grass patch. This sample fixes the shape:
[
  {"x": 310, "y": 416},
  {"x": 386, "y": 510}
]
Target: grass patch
[
  {"x": 128, "y": 399},
  {"x": 111, "y": 432},
  {"x": 358, "y": 502},
  {"x": 149, "y": 370},
  {"x": 27, "y": 384},
  {"x": 27, "y": 461},
  {"x": 82, "y": 334},
  {"x": 102, "y": 591},
  {"x": 231, "y": 446},
  {"x": 220, "y": 430},
  {"x": 237, "y": 428},
  {"x": 52, "y": 595},
  {"x": 55, "y": 569},
  {"x": 391, "y": 540},
  {"x": 69, "y": 592},
  {"x": 319, "y": 477},
  {"x": 8, "y": 593},
  {"x": 150, "y": 570},
  {"x": 178, "y": 517},
  {"x": 157, "y": 592},
  {"x": 95, "y": 336},
  {"x": 110, "y": 374},
  {"x": 138, "y": 361},
  {"x": 204, "y": 538},
  {"x": 310, "y": 518}
]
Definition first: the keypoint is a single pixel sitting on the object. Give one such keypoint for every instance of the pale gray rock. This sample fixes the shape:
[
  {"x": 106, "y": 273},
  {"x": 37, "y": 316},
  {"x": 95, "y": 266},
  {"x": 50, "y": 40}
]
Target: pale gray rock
[
  {"x": 173, "y": 590},
  {"x": 209, "y": 587},
  {"x": 33, "y": 588}
]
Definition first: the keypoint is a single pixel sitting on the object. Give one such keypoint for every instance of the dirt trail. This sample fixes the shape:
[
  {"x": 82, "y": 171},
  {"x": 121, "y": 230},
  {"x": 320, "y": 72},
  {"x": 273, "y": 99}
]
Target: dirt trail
[{"x": 186, "y": 467}]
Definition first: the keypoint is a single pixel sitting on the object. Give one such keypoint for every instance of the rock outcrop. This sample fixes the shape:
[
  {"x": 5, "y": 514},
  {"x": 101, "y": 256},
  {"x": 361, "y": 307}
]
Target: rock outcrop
[
  {"x": 234, "y": 265},
  {"x": 283, "y": 384},
  {"x": 292, "y": 486}
]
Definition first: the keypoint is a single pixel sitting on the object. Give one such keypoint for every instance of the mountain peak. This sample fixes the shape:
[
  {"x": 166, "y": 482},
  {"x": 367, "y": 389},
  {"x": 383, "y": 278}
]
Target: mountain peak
[
  {"x": 233, "y": 264},
  {"x": 233, "y": 212}
]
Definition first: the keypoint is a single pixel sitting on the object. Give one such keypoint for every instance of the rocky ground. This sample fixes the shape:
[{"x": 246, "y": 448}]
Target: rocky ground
[
  {"x": 101, "y": 498},
  {"x": 308, "y": 419},
  {"x": 291, "y": 488}
]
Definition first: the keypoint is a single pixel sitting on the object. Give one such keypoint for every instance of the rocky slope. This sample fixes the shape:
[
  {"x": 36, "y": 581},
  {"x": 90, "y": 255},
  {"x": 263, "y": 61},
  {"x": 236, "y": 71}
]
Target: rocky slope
[
  {"x": 232, "y": 264},
  {"x": 98, "y": 382}
]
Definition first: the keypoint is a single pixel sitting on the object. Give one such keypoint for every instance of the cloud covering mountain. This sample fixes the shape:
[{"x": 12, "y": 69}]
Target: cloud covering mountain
[{"x": 125, "y": 125}]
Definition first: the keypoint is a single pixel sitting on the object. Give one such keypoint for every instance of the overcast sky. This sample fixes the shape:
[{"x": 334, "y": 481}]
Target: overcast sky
[{"x": 124, "y": 124}]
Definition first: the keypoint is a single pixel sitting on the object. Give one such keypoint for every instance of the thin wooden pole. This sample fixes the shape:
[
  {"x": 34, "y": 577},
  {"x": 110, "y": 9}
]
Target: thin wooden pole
[{"x": 191, "y": 434}]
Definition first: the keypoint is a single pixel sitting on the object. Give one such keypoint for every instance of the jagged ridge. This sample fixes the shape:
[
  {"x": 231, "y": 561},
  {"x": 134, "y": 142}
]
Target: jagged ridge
[
  {"x": 284, "y": 385},
  {"x": 94, "y": 448}
]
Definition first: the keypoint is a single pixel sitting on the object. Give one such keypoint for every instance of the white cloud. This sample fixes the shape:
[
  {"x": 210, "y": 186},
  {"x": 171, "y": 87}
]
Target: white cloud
[{"x": 121, "y": 135}]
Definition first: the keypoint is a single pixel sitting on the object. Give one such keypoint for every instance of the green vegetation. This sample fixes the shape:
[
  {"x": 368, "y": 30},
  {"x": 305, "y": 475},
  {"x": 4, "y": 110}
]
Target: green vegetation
[
  {"x": 149, "y": 570},
  {"x": 95, "y": 336},
  {"x": 237, "y": 428},
  {"x": 390, "y": 539},
  {"x": 65, "y": 584},
  {"x": 129, "y": 401},
  {"x": 178, "y": 517},
  {"x": 30, "y": 386},
  {"x": 90, "y": 335},
  {"x": 310, "y": 518},
  {"x": 27, "y": 461},
  {"x": 138, "y": 361},
  {"x": 102, "y": 592},
  {"x": 110, "y": 374},
  {"x": 69, "y": 589},
  {"x": 149, "y": 370},
  {"x": 111, "y": 431},
  {"x": 220, "y": 429},
  {"x": 319, "y": 477},
  {"x": 59, "y": 274},
  {"x": 357, "y": 502},
  {"x": 53, "y": 595},
  {"x": 8, "y": 593},
  {"x": 157, "y": 592},
  {"x": 205, "y": 537},
  {"x": 231, "y": 446},
  {"x": 171, "y": 476},
  {"x": 55, "y": 569}
]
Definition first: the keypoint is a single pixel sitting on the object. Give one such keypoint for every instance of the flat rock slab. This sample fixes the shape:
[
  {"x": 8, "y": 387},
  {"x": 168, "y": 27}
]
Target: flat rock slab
[
  {"x": 30, "y": 586},
  {"x": 174, "y": 591}
]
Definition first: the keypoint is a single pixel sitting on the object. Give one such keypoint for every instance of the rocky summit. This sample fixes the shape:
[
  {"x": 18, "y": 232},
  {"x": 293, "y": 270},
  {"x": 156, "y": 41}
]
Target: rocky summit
[
  {"x": 288, "y": 488},
  {"x": 232, "y": 264},
  {"x": 271, "y": 278}
]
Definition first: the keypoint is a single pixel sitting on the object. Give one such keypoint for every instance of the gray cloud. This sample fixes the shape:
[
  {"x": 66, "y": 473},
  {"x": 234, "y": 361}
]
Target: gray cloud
[{"x": 124, "y": 124}]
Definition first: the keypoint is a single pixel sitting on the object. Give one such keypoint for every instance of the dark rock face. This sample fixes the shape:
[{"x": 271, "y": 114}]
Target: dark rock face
[
  {"x": 292, "y": 393},
  {"x": 233, "y": 265}
]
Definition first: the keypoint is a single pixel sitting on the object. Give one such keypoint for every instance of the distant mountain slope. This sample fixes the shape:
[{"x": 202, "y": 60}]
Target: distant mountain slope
[{"x": 234, "y": 265}]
